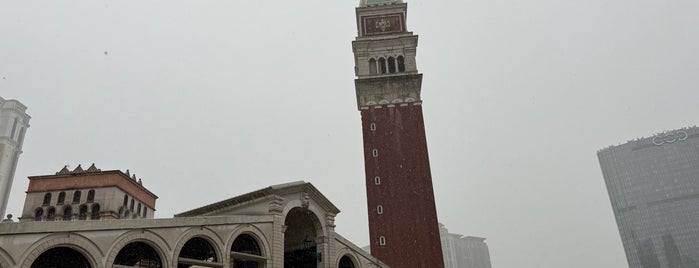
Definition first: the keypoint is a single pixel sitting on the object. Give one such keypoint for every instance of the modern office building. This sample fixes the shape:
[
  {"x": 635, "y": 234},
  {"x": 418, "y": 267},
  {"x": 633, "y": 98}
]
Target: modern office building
[
  {"x": 653, "y": 185},
  {"x": 403, "y": 227},
  {"x": 463, "y": 252},
  {"x": 14, "y": 122}
]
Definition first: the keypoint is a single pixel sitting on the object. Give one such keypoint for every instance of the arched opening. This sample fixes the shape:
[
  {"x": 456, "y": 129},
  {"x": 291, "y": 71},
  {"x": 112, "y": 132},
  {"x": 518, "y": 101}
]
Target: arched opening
[
  {"x": 95, "y": 215},
  {"x": 138, "y": 254},
  {"x": 83, "y": 213},
  {"x": 38, "y": 214},
  {"x": 90, "y": 196},
  {"x": 198, "y": 252},
  {"x": 382, "y": 65},
  {"x": 51, "y": 214},
  {"x": 401, "y": 64},
  {"x": 131, "y": 205},
  {"x": 300, "y": 248},
  {"x": 126, "y": 200},
  {"x": 67, "y": 213},
  {"x": 346, "y": 262},
  {"x": 76, "y": 197},
  {"x": 246, "y": 252},
  {"x": 61, "y": 257},
  {"x": 391, "y": 64},
  {"x": 47, "y": 199},
  {"x": 372, "y": 66},
  {"x": 61, "y": 198}
]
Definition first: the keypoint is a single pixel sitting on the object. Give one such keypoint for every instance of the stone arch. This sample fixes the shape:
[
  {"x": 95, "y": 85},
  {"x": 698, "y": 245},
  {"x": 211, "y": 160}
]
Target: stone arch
[
  {"x": 305, "y": 229},
  {"x": 206, "y": 234},
  {"x": 6, "y": 260},
  {"x": 77, "y": 242},
  {"x": 256, "y": 233},
  {"x": 320, "y": 229},
  {"x": 158, "y": 243},
  {"x": 346, "y": 252}
]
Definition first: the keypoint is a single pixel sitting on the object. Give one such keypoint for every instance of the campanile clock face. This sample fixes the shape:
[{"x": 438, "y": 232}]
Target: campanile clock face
[{"x": 383, "y": 24}]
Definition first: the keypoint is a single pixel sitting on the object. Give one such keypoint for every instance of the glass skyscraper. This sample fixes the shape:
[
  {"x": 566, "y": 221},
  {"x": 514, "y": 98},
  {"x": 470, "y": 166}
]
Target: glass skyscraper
[{"x": 653, "y": 185}]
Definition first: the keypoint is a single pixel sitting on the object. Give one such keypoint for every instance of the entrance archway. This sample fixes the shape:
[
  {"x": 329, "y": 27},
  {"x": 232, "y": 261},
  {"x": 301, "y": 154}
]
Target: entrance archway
[
  {"x": 198, "y": 252},
  {"x": 138, "y": 254},
  {"x": 61, "y": 257},
  {"x": 302, "y": 231}
]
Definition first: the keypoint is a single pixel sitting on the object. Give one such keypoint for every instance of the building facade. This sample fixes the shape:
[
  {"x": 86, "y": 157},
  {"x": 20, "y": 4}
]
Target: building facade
[
  {"x": 281, "y": 226},
  {"x": 90, "y": 194},
  {"x": 653, "y": 186},
  {"x": 463, "y": 252},
  {"x": 14, "y": 122},
  {"x": 403, "y": 226}
]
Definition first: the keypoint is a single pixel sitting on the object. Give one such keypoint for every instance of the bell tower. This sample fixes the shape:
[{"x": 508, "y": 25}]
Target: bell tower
[{"x": 403, "y": 227}]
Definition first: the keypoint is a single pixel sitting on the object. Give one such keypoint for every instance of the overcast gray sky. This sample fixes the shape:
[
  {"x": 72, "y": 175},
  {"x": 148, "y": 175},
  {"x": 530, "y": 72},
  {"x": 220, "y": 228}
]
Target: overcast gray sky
[{"x": 209, "y": 99}]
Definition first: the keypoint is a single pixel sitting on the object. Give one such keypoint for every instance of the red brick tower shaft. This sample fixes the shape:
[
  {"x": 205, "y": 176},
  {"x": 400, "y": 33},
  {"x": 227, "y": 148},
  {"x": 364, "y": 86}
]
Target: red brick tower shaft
[{"x": 403, "y": 224}]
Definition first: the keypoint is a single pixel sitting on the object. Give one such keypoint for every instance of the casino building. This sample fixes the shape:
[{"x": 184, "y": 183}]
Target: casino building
[{"x": 653, "y": 185}]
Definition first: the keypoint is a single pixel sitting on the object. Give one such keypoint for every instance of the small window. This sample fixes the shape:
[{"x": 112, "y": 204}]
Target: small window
[
  {"x": 47, "y": 199},
  {"x": 377, "y": 180},
  {"x": 61, "y": 198},
  {"x": 372, "y": 66},
  {"x": 76, "y": 197},
  {"x": 379, "y": 209},
  {"x": 372, "y": 126},
  {"x": 83, "y": 213},
  {"x": 145, "y": 211},
  {"x": 131, "y": 206},
  {"x": 126, "y": 200},
  {"x": 67, "y": 213},
  {"x": 91, "y": 196},
  {"x": 138, "y": 211},
  {"x": 391, "y": 65},
  {"x": 382, "y": 241},
  {"x": 375, "y": 153},
  {"x": 382, "y": 65},
  {"x": 401, "y": 64},
  {"x": 95, "y": 215},
  {"x": 38, "y": 214},
  {"x": 51, "y": 214}
]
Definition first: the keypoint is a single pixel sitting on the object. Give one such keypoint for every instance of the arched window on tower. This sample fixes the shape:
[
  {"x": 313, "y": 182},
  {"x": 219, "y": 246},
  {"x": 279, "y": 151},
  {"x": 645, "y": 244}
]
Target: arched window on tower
[
  {"x": 382, "y": 65},
  {"x": 138, "y": 211},
  {"x": 76, "y": 197},
  {"x": 131, "y": 205},
  {"x": 372, "y": 66},
  {"x": 379, "y": 209},
  {"x": 83, "y": 213},
  {"x": 391, "y": 65},
  {"x": 145, "y": 211},
  {"x": 401, "y": 64},
  {"x": 95, "y": 215},
  {"x": 126, "y": 200},
  {"x": 90, "y": 196},
  {"x": 67, "y": 213},
  {"x": 61, "y": 198},
  {"x": 47, "y": 199},
  {"x": 51, "y": 214},
  {"x": 38, "y": 214},
  {"x": 382, "y": 240}
]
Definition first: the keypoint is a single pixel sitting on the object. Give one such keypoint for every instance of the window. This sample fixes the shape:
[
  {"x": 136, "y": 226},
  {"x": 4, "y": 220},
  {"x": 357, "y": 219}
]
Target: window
[
  {"x": 83, "y": 213},
  {"x": 382, "y": 65},
  {"x": 382, "y": 241},
  {"x": 38, "y": 214},
  {"x": 401, "y": 64},
  {"x": 91, "y": 196},
  {"x": 76, "y": 197},
  {"x": 51, "y": 214},
  {"x": 131, "y": 206},
  {"x": 47, "y": 199},
  {"x": 372, "y": 66},
  {"x": 375, "y": 153},
  {"x": 372, "y": 126},
  {"x": 126, "y": 200},
  {"x": 379, "y": 209},
  {"x": 145, "y": 211},
  {"x": 67, "y": 213},
  {"x": 14, "y": 128},
  {"x": 61, "y": 198},
  {"x": 391, "y": 65},
  {"x": 95, "y": 215},
  {"x": 377, "y": 180},
  {"x": 138, "y": 211}
]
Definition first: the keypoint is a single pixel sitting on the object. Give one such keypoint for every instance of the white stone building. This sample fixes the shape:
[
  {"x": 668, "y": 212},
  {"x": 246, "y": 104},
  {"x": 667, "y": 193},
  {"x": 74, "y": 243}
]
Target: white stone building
[
  {"x": 463, "y": 252},
  {"x": 14, "y": 122}
]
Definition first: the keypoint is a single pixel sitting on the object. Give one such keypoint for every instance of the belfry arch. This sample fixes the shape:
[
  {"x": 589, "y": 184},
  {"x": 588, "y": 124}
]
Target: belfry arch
[{"x": 303, "y": 245}]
